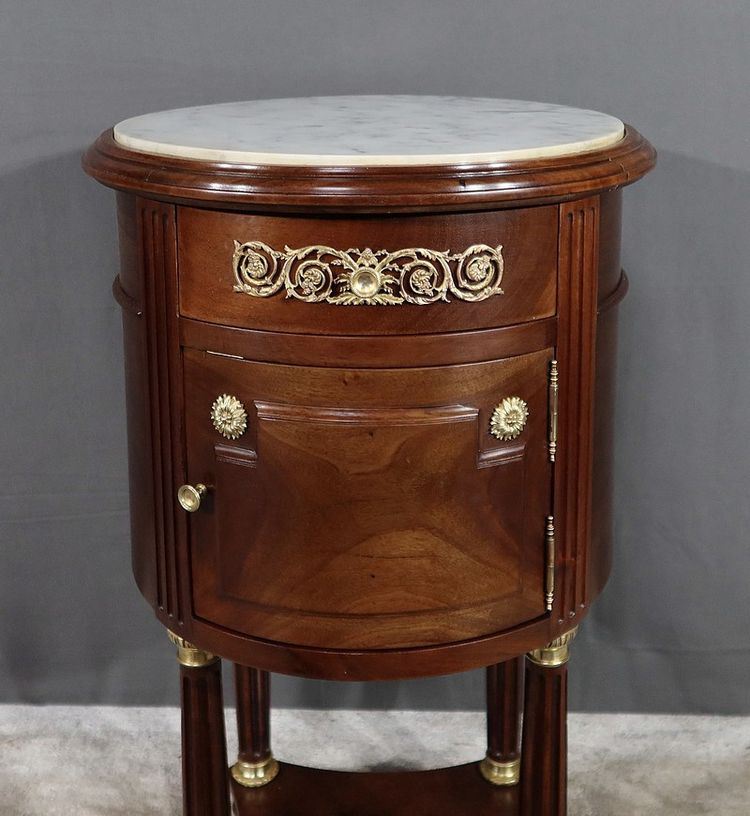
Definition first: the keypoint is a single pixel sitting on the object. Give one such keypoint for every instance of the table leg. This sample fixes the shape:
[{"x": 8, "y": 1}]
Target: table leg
[
  {"x": 502, "y": 764},
  {"x": 255, "y": 765},
  {"x": 205, "y": 780},
  {"x": 544, "y": 764}
]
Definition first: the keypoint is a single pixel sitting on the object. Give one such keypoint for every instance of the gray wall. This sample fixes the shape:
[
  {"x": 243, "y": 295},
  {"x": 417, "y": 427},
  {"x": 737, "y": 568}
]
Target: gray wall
[{"x": 671, "y": 631}]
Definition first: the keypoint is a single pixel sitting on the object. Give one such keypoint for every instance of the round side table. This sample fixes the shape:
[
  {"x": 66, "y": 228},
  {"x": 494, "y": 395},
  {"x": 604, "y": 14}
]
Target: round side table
[{"x": 369, "y": 353}]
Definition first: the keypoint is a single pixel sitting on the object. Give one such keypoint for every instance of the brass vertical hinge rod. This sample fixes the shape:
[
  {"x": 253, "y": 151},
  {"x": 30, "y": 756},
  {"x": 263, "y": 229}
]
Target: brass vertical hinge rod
[
  {"x": 553, "y": 376},
  {"x": 549, "y": 583}
]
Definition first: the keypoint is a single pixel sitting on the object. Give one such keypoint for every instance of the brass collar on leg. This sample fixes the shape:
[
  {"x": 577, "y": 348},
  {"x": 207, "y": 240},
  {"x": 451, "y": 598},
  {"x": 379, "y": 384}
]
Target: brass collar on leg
[
  {"x": 554, "y": 654},
  {"x": 189, "y": 655},
  {"x": 500, "y": 773},
  {"x": 255, "y": 774}
]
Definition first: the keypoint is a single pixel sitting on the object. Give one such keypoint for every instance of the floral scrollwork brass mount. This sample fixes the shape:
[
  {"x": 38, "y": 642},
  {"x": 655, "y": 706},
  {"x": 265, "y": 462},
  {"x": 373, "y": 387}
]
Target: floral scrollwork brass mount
[{"x": 368, "y": 277}]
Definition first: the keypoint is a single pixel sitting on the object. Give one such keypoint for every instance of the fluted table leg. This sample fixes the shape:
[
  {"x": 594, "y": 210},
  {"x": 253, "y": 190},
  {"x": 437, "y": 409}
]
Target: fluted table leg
[
  {"x": 501, "y": 765},
  {"x": 205, "y": 779},
  {"x": 544, "y": 764},
  {"x": 255, "y": 765}
]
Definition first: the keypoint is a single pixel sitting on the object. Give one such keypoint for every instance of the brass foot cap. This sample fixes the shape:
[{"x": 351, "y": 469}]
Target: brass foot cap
[
  {"x": 500, "y": 773},
  {"x": 189, "y": 655},
  {"x": 255, "y": 774},
  {"x": 556, "y": 653}
]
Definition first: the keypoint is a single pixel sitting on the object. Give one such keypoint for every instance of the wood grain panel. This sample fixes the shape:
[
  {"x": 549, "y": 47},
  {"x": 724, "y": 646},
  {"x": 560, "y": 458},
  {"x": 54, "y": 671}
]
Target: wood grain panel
[
  {"x": 369, "y": 509},
  {"x": 370, "y": 351},
  {"x": 528, "y": 238}
]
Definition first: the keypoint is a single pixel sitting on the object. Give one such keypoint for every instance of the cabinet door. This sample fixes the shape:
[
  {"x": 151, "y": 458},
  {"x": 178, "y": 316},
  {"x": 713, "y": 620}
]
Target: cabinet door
[{"x": 367, "y": 508}]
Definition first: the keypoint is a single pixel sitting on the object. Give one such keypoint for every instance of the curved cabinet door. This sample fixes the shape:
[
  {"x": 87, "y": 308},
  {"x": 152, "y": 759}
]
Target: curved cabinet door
[{"x": 368, "y": 508}]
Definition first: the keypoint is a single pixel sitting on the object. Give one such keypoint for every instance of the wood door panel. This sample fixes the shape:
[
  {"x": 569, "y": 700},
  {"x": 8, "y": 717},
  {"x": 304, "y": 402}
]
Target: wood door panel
[
  {"x": 368, "y": 518},
  {"x": 396, "y": 556}
]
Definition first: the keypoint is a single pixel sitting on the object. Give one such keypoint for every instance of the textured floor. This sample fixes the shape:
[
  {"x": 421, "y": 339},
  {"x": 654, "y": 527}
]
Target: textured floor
[{"x": 59, "y": 761}]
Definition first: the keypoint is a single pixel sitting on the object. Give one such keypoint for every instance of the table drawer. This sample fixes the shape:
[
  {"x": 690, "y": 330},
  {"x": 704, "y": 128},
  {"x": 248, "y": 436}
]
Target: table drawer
[
  {"x": 367, "y": 275},
  {"x": 368, "y": 509}
]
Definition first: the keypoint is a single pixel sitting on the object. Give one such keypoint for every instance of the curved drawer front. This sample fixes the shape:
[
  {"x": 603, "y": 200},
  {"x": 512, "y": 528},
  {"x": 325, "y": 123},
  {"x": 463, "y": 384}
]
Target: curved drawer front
[
  {"x": 349, "y": 276},
  {"x": 366, "y": 508}
]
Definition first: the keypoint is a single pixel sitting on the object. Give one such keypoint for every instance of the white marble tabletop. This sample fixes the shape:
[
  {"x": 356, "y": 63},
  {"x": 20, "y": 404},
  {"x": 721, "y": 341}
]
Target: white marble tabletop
[{"x": 370, "y": 130}]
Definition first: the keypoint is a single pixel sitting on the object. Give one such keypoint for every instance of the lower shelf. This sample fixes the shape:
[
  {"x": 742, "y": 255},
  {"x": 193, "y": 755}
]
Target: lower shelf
[{"x": 298, "y": 791}]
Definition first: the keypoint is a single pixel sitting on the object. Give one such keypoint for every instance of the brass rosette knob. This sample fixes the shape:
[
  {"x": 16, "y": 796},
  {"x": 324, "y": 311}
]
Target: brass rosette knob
[
  {"x": 229, "y": 416},
  {"x": 509, "y": 418}
]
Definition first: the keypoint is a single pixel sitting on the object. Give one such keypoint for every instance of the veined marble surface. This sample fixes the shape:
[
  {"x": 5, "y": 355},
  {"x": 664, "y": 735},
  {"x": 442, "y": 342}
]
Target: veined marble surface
[{"x": 370, "y": 130}]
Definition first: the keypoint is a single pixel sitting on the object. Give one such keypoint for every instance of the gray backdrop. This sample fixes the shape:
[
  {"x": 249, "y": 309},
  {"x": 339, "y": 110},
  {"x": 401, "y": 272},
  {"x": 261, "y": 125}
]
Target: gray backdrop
[{"x": 671, "y": 631}]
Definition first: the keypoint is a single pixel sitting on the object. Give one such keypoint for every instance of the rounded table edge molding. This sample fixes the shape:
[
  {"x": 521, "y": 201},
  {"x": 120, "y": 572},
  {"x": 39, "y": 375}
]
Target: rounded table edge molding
[{"x": 369, "y": 189}]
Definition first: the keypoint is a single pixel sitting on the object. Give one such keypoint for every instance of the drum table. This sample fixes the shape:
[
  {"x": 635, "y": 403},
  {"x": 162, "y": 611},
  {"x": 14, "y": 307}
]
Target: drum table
[{"x": 369, "y": 353}]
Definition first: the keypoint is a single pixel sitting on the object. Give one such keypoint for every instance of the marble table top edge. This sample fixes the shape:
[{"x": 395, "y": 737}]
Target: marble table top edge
[{"x": 442, "y": 131}]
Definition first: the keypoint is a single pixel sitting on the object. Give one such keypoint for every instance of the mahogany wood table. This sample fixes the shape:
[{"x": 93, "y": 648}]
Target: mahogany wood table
[{"x": 369, "y": 352}]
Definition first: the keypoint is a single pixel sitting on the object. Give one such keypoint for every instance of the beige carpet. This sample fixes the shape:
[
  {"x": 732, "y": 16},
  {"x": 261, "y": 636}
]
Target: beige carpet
[{"x": 100, "y": 761}]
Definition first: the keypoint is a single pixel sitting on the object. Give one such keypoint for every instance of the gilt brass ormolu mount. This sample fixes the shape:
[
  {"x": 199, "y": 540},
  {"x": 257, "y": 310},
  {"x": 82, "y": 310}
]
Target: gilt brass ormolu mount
[
  {"x": 509, "y": 418},
  {"x": 368, "y": 277},
  {"x": 228, "y": 416},
  {"x": 500, "y": 773},
  {"x": 189, "y": 655}
]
